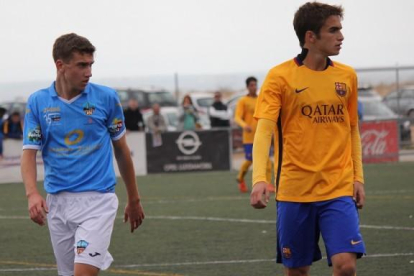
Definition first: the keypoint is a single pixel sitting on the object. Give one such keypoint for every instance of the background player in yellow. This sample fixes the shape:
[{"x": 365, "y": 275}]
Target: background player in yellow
[
  {"x": 319, "y": 178},
  {"x": 244, "y": 118}
]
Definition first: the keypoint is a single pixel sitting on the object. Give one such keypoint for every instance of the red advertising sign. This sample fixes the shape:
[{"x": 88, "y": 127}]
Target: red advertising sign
[{"x": 379, "y": 141}]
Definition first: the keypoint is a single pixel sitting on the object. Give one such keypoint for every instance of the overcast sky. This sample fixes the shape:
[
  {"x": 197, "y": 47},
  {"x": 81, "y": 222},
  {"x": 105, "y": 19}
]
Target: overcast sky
[{"x": 159, "y": 37}]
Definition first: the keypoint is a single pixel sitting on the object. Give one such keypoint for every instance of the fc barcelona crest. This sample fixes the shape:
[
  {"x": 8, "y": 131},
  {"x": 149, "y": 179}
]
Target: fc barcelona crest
[{"x": 340, "y": 89}]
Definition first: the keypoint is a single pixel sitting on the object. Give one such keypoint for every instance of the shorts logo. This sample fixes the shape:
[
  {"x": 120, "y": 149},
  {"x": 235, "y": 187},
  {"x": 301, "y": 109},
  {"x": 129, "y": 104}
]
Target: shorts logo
[
  {"x": 116, "y": 125},
  {"x": 340, "y": 88},
  {"x": 355, "y": 242},
  {"x": 35, "y": 135},
  {"x": 81, "y": 246},
  {"x": 287, "y": 254},
  {"x": 88, "y": 108}
]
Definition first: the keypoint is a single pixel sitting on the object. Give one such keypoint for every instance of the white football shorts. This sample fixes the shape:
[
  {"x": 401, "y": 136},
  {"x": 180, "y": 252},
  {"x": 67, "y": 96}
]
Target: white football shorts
[{"x": 80, "y": 226}]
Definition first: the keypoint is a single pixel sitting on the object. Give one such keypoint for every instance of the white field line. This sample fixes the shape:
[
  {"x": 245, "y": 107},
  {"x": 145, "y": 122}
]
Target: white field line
[
  {"x": 247, "y": 261},
  {"x": 258, "y": 221},
  {"x": 201, "y": 263}
]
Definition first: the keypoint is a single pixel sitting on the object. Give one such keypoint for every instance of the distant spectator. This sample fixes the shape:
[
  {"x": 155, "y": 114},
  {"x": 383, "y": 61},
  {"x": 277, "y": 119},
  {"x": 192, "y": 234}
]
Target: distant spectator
[
  {"x": 13, "y": 126},
  {"x": 156, "y": 122},
  {"x": 360, "y": 111},
  {"x": 219, "y": 117},
  {"x": 133, "y": 117},
  {"x": 2, "y": 112},
  {"x": 188, "y": 115}
]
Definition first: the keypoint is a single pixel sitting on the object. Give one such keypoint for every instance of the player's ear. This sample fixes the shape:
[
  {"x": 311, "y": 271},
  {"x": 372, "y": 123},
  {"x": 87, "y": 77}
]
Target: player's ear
[
  {"x": 59, "y": 65},
  {"x": 310, "y": 37}
]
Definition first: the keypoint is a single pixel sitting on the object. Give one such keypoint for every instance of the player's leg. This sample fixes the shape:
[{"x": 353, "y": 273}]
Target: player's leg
[
  {"x": 301, "y": 271},
  {"x": 344, "y": 264},
  {"x": 85, "y": 270},
  {"x": 93, "y": 235},
  {"x": 62, "y": 235},
  {"x": 339, "y": 223},
  {"x": 248, "y": 148},
  {"x": 297, "y": 237}
]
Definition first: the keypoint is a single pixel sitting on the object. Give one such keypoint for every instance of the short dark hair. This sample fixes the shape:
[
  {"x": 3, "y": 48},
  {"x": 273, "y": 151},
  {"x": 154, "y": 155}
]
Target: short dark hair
[
  {"x": 311, "y": 17},
  {"x": 249, "y": 80},
  {"x": 67, "y": 44}
]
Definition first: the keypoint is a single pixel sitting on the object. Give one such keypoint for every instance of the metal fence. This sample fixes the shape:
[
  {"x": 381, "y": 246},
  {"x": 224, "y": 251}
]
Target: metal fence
[{"x": 396, "y": 87}]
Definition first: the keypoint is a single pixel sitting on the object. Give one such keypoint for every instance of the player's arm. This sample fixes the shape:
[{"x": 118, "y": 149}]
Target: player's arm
[
  {"x": 133, "y": 210},
  {"x": 32, "y": 142},
  {"x": 359, "y": 191},
  {"x": 261, "y": 148},
  {"x": 36, "y": 203},
  {"x": 267, "y": 111},
  {"x": 239, "y": 115}
]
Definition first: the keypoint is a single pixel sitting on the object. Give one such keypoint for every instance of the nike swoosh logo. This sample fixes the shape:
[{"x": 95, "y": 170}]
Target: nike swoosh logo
[
  {"x": 300, "y": 90},
  {"x": 355, "y": 242}
]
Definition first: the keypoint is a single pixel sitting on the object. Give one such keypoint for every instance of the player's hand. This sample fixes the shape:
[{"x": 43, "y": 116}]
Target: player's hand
[
  {"x": 256, "y": 197},
  {"x": 359, "y": 194},
  {"x": 247, "y": 129},
  {"x": 37, "y": 208},
  {"x": 134, "y": 213}
]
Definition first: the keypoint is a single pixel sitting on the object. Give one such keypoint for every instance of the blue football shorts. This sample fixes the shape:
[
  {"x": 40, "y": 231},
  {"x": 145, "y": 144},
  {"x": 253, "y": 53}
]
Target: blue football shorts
[
  {"x": 248, "y": 151},
  {"x": 299, "y": 226}
]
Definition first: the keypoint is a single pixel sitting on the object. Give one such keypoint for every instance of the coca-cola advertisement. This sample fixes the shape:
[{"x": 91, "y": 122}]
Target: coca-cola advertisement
[{"x": 379, "y": 141}]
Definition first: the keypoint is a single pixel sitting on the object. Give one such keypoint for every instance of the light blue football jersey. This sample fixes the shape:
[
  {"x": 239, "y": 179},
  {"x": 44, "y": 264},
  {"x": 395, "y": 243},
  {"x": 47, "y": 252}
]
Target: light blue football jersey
[{"x": 75, "y": 137}]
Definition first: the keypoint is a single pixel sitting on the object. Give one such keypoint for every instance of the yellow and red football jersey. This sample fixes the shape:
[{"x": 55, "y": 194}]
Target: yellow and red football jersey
[{"x": 317, "y": 110}]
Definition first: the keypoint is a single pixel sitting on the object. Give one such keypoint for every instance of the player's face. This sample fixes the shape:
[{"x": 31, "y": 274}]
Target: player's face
[
  {"x": 77, "y": 71},
  {"x": 252, "y": 87},
  {"x": 330, "y": 37}
]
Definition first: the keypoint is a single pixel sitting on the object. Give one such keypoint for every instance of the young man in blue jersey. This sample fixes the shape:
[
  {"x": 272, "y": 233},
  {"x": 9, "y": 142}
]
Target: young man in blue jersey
[{"x": 73, "y": 123}]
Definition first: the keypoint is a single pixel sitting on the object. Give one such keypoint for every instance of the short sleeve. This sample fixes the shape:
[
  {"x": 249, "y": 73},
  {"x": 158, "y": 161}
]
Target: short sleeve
[
  {"x": 32, "y": 133},
  {"x": 116, "y": 120},
  {"x": 270, "y": 100}
]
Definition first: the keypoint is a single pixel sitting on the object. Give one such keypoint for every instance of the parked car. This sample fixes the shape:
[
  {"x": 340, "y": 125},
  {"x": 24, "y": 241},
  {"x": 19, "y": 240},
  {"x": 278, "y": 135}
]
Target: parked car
[
  {"x": 377, "y": 110},
  {"x": 368, "y": 91},
  {"x": 170, "y": 114},
  {"x": 401, "y": 102},
  {"x": 146, "y": 98}
]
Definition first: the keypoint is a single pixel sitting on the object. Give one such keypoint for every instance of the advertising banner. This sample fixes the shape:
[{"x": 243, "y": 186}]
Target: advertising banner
[
  {"x": 188, "y": 151},
  {"x": 379, "y": 141}
]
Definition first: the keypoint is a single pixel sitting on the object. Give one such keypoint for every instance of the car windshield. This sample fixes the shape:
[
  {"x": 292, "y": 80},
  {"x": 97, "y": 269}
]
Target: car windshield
[
  {"x": 205, "y": 102},
  {"x": 161, "y": 98},
  {"x": 367, "y": 92},
  {"x": 376, "y": 108}
]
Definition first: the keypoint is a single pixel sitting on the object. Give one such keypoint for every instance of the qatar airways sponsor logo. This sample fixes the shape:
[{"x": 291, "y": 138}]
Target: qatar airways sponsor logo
[
  {"x": 374, "y": 142},
  {"x": 324, "y": 113}
]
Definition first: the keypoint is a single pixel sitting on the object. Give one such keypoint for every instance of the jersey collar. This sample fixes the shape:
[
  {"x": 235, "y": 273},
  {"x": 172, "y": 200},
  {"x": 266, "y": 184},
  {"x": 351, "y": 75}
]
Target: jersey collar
[{"x": 301, "y": 57}]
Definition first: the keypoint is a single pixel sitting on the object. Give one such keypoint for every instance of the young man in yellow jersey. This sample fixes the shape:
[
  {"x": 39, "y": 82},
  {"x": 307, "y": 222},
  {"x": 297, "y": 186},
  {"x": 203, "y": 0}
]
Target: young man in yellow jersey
[
  {"x": 313, "y": 102},
  {"x": 244, "y": 118}
]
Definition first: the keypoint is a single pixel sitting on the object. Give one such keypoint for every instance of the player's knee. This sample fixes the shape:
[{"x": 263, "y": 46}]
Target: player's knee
[
  {"x": 299, "y": 271},
  {"x": 345, "y": 269}
]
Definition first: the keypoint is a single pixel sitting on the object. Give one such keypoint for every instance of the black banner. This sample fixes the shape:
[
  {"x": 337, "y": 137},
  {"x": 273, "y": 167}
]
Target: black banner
[{"x": 188, "y": 151}]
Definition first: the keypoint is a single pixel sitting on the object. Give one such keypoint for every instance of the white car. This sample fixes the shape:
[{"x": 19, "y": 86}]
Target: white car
[{"x": 170, "y": 115}]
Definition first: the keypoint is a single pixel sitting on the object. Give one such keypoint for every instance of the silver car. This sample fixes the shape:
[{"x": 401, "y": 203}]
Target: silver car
[{"x": 401, "y": 103}]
